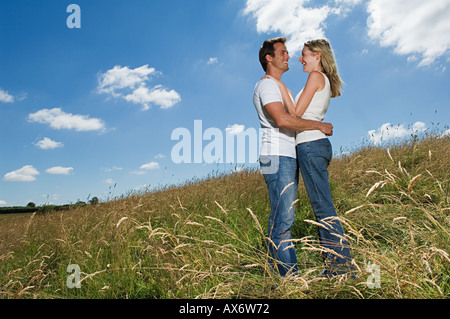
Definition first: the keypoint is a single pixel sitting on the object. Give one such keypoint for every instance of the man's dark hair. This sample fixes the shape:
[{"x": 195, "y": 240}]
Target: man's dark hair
[{"x": 267, "y": 48}]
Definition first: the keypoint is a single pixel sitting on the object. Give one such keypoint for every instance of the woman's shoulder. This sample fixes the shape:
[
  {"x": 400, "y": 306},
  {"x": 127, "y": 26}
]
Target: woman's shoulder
[
  {"x": 318, "y": 76},
  {"x": 316, "y": 79}
]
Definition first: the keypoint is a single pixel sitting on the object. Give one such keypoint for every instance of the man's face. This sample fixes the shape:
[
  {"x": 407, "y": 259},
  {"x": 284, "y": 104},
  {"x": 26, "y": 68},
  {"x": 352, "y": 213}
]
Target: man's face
[{"x": 281, "y": 59}]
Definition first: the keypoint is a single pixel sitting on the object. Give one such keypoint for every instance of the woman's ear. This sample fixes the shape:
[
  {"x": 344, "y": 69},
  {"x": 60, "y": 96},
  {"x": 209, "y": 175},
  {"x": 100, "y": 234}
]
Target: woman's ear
[{"x": 318, "y": 55}]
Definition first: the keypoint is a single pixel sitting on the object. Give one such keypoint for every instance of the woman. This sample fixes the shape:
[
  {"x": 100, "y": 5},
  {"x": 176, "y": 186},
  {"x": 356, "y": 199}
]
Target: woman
[{"x": 314, "y": 150}]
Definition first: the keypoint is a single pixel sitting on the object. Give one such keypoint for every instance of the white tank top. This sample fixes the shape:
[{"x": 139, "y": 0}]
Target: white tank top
[{"x": 316, "y": 111}]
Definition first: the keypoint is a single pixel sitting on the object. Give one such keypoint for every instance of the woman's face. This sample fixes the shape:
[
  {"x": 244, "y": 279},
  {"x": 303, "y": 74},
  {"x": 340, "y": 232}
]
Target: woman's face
[{"x": 310, "y": 60}]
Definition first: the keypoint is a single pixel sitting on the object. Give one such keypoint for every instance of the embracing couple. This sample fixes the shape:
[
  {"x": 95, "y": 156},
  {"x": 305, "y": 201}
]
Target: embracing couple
[{"x": 295, "y": 138}]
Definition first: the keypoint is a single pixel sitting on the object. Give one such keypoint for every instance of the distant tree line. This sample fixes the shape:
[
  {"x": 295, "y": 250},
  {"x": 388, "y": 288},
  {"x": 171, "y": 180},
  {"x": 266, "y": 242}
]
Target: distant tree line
[{"x": 32, "y": 208}]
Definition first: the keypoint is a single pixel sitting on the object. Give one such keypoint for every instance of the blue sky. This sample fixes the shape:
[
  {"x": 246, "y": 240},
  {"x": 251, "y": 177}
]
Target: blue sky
[{"x": 90, "y": 111}]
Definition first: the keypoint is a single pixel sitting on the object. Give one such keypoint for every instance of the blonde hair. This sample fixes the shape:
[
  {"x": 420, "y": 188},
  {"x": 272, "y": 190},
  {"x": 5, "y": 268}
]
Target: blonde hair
[{"x": 328, "y": 62}]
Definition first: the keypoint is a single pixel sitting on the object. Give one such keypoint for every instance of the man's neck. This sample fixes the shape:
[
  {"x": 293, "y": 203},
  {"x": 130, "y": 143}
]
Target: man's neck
[{"x": 276, "y": 74}]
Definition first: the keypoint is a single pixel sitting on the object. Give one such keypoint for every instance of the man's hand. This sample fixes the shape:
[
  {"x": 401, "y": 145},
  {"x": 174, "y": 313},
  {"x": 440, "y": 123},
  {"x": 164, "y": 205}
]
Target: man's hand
[{"x": 326, "y": 128}]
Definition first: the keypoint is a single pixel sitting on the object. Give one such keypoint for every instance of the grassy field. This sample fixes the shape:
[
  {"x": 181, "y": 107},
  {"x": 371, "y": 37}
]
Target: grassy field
[{"x": 206, "y": 239}]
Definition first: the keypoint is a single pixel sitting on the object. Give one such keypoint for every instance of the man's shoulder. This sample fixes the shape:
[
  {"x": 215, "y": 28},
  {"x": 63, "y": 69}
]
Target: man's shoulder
[{"x": 266, "y": 83}]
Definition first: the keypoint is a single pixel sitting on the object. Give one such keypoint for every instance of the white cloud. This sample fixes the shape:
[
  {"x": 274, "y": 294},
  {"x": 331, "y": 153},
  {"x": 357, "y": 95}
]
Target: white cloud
[
  {"x": 132, "y": 85},
  {"x": 413, "y": 27},
  {"x": 138, "y": 172},
  {"x": 109, "y": 181},
  {"x": 21, "y": 96},
  {"x": 123, "y": 78},
  {"x": 150, "y": 166},
  {"x": 47, "y": 144},
  {"x": 141, "y": 188},
  {"x": 290, "y": 17},
  {"x": 3, "y": 203},
  {"x": 58, "y": 119},
  {"x": 24, "y": 174},
  {"x": 59, "y": 170},
  {"x": 445, "y": 134},
  {"x": 146, "y": 167},
  {"x": 235, "y": 129},
  {"x": 345, "y": 6},
  {"x": 159, "y": 156},
  {"x": 294, "y": 19},
  {"x": 348, "y": 2},
  {"x": 110, "y": 169},
  {"x": 157, "y": 95},
  {"x": 416, "y": 28},
  {"x": 212, "y": 60},
  {"x": 389, "y": 132},
  {"x": 5, "y": 97}
]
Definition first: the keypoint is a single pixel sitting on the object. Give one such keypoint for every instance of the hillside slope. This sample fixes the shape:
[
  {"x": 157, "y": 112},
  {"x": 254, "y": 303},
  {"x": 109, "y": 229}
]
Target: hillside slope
[{"x": 206, "y": 239}]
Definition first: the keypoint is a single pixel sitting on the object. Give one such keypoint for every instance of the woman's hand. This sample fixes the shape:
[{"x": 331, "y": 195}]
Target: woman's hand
[{"x": 278, "y": 82}]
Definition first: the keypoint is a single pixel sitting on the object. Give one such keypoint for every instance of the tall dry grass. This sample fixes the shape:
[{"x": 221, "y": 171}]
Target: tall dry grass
[{"x": 206, "y": 239}]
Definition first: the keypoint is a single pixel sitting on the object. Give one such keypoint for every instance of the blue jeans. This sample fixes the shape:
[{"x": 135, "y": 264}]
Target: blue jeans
[
  {"x": 314, "y": 159},
  {"x": 281, "y": 175}
]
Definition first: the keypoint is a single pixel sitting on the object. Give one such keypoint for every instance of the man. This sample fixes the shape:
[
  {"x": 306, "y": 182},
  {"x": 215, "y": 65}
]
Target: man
[{"x": 278, "y": 158}]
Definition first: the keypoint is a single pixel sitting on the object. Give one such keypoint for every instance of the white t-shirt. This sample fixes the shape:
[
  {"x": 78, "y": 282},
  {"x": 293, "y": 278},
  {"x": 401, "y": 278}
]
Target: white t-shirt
[
  {"x": 316, "y": 111},
  {"x": 275, "y": 140}
]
